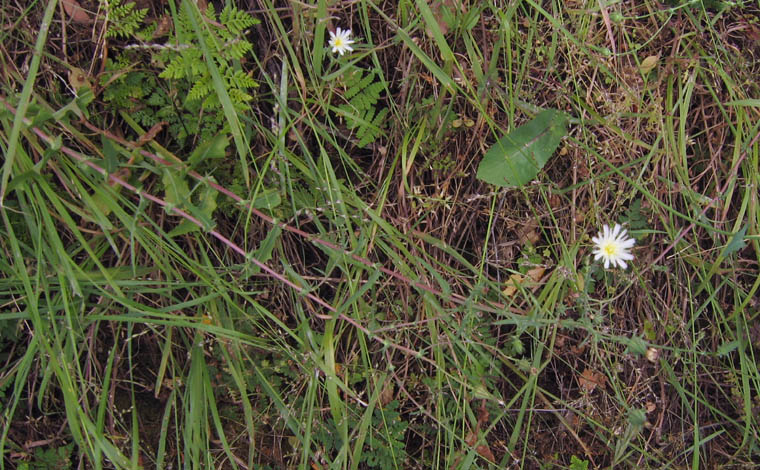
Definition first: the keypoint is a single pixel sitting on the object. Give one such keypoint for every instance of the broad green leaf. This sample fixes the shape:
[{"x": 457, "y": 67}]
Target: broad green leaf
[
  {"x": 518, "y": 156},
  {"x": 213, "y": 148},
  {"x": 176, "y": 187},
  {"x": 726, "y": 348},
  {"x": 637, "y": 417},
  {"x": 636, "y": 346},
  {"x": 267, "y": 199},
  {"x": 578, "y": 464},
  {"x": 110, "y": 155},
  {"x": 264, "y": 252}
]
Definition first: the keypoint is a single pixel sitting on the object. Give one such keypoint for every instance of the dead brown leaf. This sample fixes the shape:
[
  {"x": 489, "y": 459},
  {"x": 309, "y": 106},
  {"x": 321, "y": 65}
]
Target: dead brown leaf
[
  {"x": 472, "y": 437},
  {"x": 386, "y": 395},
  {"x": 76, "y": 13},
  {"x": 485, "y": 452},
  {"x": 528, "y": 281},
  {"x": 163, "y": 27},
  {"x": 528, "y": 233},
  {"x": 590, "y": 379}
]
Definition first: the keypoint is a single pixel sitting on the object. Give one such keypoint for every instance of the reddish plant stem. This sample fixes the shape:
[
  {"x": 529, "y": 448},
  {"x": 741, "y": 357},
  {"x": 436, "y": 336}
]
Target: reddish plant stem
[
  {"x": 456, "y": 298},
  {"x": 232, "y": 245}
]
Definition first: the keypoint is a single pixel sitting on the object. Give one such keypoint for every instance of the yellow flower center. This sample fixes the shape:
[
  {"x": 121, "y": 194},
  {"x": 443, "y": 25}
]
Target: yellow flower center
[
  {"x": 610, "y": 249},
  {"x": 338, "y": 42}
]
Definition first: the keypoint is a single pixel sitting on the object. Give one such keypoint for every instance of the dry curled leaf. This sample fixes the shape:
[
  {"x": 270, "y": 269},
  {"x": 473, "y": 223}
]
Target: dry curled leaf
[
  {"x": 76, "y": 13},
  {"x": 472, "y": 437},
  {"x": 485, "y": 452},
  {"x": 528, "y": 281},
  {"x": 648, "y": 64},
  {"x": 386, "y": 395},
  {"x": 151, "y": 134},
  {"x": 163, "y": 27},
  {"x": 79, "y": 79},
  {"x": 589, "y": 380}
]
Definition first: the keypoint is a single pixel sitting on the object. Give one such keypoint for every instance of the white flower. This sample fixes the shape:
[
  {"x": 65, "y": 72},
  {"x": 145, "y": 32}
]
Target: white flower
[
  {"x": 340, "y": 42},
  {"x": 613, "y": 246}
]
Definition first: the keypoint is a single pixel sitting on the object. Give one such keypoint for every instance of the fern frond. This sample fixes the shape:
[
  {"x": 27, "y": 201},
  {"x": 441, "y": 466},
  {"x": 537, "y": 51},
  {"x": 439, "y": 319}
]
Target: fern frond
[
  {"x": 211, "y": 12},
  {"x": 237, "y": 49},
  {"x": 236, "y": 21},
  {"x": 194, "y": 58},
  {"x": 372, "y": 130},
  {"x": 176, "y": 68},
  {"x": 357, "y": 83},
  {"x": 156, "y": 99},
  {"x": 202, "y": 87},
  {"x": 240, "y": 99},
  {"x": 360, "y": 112},
  {"x": 125, "y": 20},
  {"x": 145, "y": 117},
  {"x": 240, "y": 79}
]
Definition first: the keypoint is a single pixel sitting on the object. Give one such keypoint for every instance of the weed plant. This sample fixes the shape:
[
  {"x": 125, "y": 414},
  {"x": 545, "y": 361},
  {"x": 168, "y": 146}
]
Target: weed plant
[{"x": 224, "y": 246}]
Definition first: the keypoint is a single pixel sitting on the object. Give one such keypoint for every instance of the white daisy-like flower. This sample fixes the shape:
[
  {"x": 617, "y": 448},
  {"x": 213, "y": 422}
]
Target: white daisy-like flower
[
  {"x": 613, "y": 246},
  {"x": 341, "y": 41}
]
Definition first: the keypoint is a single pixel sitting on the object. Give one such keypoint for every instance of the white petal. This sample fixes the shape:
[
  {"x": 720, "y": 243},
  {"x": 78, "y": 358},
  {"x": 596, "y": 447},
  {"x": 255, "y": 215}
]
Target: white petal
[
  {"x": 627, "y": 244},
  {"x": 616, "y": 230}
]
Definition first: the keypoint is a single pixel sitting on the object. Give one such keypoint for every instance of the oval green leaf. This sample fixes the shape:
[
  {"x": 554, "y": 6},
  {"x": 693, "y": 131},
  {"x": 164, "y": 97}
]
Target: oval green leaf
[{"x": 516, "y": 158}]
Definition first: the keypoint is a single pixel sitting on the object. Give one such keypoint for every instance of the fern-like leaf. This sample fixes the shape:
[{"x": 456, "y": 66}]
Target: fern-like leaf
[
  {"x": 360, "y": 113},
  {"x": 237, "y": 49},
  {"x": 176, "y": 68},
  {"x": 371, "y": 130},
  {"x": 125, "y": 20},
  {"x": 236, "y": 21},
  {"x": 355, "y": 83},
  {"x": 200, "y": 89}
]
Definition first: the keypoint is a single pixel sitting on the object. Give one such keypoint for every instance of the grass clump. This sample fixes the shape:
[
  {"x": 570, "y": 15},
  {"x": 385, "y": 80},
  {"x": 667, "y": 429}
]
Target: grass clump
[{"x": 364, "y": 300}]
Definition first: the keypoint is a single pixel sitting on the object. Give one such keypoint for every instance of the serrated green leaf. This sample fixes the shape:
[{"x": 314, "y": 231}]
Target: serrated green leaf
[
  {"x": 264, "y": 252},
  {"x": 578, "y": 464},
  {"x": 737, "y": 242},
  {"x": 203, "y": 211},
  {"x": 516, "y": 158},
  {"x": 728, "y": 347},
  {"x": 636, "y": 346}
]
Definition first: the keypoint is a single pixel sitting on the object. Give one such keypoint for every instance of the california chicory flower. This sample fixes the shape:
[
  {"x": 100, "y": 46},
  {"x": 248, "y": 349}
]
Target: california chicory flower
[
  {"x": 613, "y": 246},
  {"x": 341, "y": 41}
]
